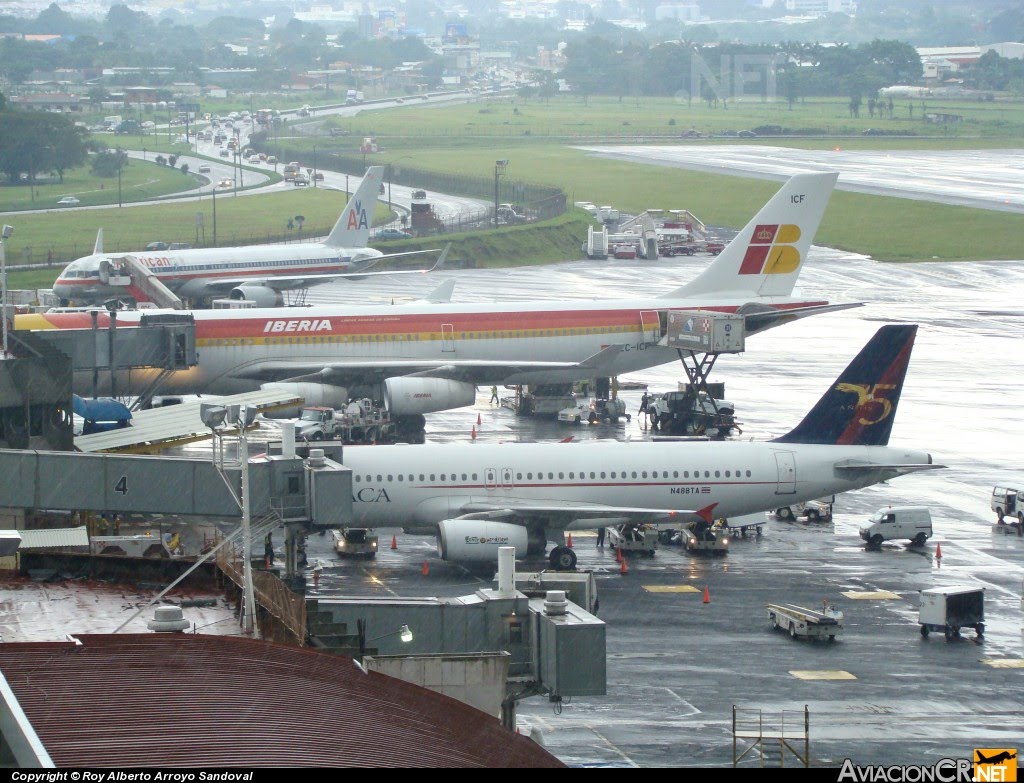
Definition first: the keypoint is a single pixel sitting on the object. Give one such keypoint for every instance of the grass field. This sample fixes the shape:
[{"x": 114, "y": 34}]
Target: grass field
[
  {"x": 568, "y": 117},
  {"x": 139, "y": 180},
  {"x": 240, "y": 220}
]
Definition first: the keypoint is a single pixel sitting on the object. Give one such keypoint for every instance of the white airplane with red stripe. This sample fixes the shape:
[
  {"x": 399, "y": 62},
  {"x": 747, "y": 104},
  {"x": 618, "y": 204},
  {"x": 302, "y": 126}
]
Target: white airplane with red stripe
[
  {"x": 430, "y": 356},
  {"x": 259, "y": 273},
  {"x": 478, "y": 497}
]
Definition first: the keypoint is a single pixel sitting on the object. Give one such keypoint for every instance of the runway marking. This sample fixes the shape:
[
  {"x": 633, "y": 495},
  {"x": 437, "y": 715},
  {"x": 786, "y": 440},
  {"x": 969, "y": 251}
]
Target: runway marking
[
  {"x": 871, "y": 595},
  {"x": 670, "y": 589},
  {"x": 1004, "y": 663},
  {"x": 612, "y": 746},
  {"x": 821, "y": 674}
]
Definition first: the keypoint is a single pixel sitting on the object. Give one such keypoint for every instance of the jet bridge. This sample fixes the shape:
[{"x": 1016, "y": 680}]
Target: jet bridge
[{"x": 162, "y": 340}]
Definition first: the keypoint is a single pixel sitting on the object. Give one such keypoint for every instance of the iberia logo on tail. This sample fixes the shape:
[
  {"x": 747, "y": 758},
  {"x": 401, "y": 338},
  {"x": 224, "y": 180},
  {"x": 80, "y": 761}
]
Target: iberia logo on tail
[
  {"x": 771, "y": 250},
  {"x": 357, "y": 217}
]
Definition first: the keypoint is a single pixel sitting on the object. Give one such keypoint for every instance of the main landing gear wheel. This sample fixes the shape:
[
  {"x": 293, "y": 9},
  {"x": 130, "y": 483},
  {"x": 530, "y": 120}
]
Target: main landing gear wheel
[{"x": 562, "y": 558}]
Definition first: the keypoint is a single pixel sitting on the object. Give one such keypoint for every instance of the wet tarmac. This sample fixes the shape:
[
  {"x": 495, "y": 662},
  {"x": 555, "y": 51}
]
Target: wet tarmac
[{"x": 676, "y": 665}]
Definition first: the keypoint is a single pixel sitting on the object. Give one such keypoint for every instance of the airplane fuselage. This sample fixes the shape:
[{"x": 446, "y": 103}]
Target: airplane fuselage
[
  {"x": 419, "y": 486},
  {"x": 239, "y": 350},
  {"x": 195, "y": 273}
]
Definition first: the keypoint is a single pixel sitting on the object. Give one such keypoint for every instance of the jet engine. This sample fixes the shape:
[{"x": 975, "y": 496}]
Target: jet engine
[
  {"x": 477, "y": 540},
  {"x": 313, "y": 393},
  {"x": 406, "y": 396},
  {"x": 263, "y": 296}
]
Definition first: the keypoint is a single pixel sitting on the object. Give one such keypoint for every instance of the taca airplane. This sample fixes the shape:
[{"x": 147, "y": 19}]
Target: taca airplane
[
  {"x": 430, "y": 357},
  {"x": 258, "y": 273},
  {"x": 479, "y": 497}
]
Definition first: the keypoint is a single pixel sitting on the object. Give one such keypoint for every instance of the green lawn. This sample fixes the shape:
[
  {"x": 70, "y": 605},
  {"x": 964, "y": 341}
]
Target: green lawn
[
  {"x": 240, "y": 220},
  {"x": 139, "y": 180},
  {"x": 568, "y": 117}
]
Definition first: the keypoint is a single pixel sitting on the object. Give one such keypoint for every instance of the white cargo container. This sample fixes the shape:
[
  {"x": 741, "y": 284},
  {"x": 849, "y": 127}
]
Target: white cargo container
[{"x": 948, "y": 609}]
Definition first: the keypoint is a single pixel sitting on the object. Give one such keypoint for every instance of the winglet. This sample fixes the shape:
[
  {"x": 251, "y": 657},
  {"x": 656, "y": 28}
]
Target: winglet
[
  {"x": 765, "y": 257},
  {"x": 706, "y": 513},
  {"x": 97, "y": 249},
  {"x": 859, "y": 407},
  {"x": 441, "y": 259},
  {"x": 442, "y": 294},
  {"x": 353, "y": 227}
]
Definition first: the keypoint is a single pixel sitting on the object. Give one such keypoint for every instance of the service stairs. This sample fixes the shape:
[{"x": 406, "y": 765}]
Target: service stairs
[
  {"x": 776, "y": 738},
  {"x": 330, "y": 636},
  {"x": 139, "y": 281}
]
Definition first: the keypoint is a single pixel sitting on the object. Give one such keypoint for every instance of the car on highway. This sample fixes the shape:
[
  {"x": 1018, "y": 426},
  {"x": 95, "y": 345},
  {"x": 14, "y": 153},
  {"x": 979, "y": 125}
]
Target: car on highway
[
  {"x": 418, "y": 194},
  {"x": 226, "y": 183},
  {"x": 69, "y": 201},
  {"x": 318, "y": 176},
  {"x": 225, "y": 154},
  {"x": 391, "y": 233},
  {"x": 204, "y": 168}
]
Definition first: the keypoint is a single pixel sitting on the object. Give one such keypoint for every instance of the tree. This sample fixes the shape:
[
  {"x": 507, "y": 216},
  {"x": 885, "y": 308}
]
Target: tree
[
  {"x": 184, "y": 168},
  {"x": 109, "y": 163},
  {"x": 31, "y": 142}
]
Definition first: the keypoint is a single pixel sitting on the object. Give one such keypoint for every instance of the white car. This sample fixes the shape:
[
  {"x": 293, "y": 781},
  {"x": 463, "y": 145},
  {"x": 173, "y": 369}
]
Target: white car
[
  {"x": 69, "y": 201},
  {"x": 204, "y": 168}
]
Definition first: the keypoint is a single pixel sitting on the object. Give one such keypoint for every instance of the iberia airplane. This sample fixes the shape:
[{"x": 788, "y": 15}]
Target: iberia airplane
[
  {"x": 258, "y": 273},
  {"x": 478, "y": 497},
  {"x": 430, "y": 356}
]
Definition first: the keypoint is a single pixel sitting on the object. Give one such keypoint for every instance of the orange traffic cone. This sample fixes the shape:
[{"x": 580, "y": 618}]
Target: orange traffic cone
[
  {"x": 478, "y": 420},
  {"x": 426, "y": 568},
  {"x": 618, "y": 554},
  {"x": 622, "y": 568},
  {"x": 474, "y": 433},
  {"x": 707, "y": 595},
  {"x": 394, "y": 542},
  {"x": 569, "y": 542},
  {"x": 938, "y": 551}
]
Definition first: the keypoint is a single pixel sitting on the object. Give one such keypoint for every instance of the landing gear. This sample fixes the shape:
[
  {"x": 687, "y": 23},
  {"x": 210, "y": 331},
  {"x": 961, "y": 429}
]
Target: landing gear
[{"x": 562, "y": 558}]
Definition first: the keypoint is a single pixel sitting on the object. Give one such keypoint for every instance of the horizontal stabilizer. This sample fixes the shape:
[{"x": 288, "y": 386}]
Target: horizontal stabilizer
[
  {"x": 759, "y": 318},
  {"x": 894, "y": 469}
]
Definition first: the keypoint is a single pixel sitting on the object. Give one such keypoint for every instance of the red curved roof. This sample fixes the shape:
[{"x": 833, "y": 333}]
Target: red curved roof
[{"x": 186, "y": 700}]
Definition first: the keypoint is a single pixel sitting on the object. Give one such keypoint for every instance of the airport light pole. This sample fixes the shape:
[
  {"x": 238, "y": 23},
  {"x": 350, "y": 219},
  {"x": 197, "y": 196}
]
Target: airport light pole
[
  {"x": 500, "y": 166},
  {"x": 7, "y": 231},
  {"x": 120, "y": 164}
]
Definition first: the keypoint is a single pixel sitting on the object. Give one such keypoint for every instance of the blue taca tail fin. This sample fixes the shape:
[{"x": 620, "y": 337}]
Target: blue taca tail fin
[{"x": 859, "y": 408}]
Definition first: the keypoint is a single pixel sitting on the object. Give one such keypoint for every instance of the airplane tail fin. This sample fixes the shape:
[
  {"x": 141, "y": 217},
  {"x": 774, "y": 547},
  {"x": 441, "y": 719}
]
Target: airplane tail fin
[
  {"x": 764, "y": 259},
  {"x": 353, "y": 227},
  {"x": 859, "y": 408},
  {"x": 97, "y": 249}
]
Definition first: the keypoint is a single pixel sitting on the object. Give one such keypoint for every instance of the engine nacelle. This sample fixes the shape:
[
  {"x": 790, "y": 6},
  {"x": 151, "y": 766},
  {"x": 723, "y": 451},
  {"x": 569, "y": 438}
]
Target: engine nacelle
[
  {"x": 408, "y": 396},
  {"x": 312, "y": 394},
  {"x": 477, "y": 540},
  {"x": 262, "y": 295}
]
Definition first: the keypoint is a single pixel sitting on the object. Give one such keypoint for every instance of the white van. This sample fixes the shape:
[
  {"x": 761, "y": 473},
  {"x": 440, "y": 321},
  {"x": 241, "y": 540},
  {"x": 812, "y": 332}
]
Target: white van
[{"x": 911, "y": 522}]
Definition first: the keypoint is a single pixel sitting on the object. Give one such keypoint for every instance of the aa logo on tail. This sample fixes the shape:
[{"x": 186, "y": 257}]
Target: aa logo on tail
[
  {"x": 771, "y": 250},
  {"x": 995, "y": 764},
  {"x": 357, "y": 217}
]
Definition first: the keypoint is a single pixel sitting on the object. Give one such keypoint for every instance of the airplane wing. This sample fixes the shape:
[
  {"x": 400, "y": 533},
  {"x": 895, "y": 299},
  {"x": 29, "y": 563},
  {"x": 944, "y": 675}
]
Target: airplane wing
[
  {"x": 476, "y": 371},
  {"x": 289, "y": 282}
]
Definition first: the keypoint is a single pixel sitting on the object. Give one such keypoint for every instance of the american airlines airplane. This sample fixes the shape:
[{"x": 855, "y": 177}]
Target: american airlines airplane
[
  {"x": 430, "y": 356},
  {"x": 258, "y": 273},
  {"x": 478, "y": 497}
]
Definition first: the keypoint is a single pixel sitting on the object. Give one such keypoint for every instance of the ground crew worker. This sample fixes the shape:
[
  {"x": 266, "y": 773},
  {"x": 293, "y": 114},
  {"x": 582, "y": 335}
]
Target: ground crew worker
[
  {"x": 494, "y": 395},
  {"x": 268, "y": 548},
  {"x": 643, "y": 403},
  {"x": 600, "y": 536}
]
